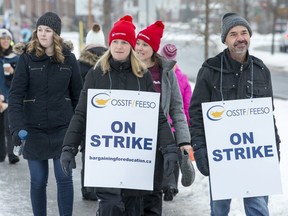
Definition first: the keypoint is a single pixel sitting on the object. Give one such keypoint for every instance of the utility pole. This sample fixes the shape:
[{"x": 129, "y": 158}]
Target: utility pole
[
  {"x": 246, "y": 10},
  {"x": 107, "y": 17},
  {"x": 275, "y": 14},
  {"x": 147, "y": 12},
  {"x": 206, "y": 31},
  {"x": 89, "y": 24}
]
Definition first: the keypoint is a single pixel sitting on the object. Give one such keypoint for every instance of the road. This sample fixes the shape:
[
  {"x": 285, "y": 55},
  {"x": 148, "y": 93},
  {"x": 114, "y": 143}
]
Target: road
[{"x": 15, "y": 197}]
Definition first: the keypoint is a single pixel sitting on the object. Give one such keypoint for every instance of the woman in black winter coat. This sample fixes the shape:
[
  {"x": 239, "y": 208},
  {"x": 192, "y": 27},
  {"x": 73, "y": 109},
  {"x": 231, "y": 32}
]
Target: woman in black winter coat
[
  {"x": 43, "y": 95},
  {"x": 118, "y": 68}
]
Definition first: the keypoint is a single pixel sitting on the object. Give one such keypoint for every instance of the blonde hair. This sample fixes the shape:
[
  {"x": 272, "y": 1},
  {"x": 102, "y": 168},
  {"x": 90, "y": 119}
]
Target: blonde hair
[
  {"x": 138, "y": 67},
  {"x": 35, "y": 46}
]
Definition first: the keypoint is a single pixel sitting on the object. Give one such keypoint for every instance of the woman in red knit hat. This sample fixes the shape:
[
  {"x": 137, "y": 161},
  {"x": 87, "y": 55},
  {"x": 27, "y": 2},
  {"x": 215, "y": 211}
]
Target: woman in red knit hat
[
  {"x": 118, "y": 68},
  {"x": 164, "y": 79}
]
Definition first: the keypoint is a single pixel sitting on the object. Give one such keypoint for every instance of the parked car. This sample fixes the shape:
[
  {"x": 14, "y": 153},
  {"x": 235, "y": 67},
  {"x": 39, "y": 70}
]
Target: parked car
[{"x": 283, "y": 41}]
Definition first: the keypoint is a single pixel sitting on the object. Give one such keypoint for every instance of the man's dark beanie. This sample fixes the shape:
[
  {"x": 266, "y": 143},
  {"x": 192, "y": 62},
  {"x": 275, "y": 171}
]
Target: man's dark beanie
[
  {"x": 51, "y": 20},
  {"x": 230, "y": 20}
]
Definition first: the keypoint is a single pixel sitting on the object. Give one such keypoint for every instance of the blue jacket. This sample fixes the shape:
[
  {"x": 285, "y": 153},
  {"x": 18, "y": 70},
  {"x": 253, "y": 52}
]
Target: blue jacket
[{"x": 5, "y": 80}]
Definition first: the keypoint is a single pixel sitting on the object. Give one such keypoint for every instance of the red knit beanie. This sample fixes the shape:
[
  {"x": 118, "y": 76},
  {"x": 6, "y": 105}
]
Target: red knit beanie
[
  {"x": 152, "y": 34},
  {"x": 123, "y": 29}
]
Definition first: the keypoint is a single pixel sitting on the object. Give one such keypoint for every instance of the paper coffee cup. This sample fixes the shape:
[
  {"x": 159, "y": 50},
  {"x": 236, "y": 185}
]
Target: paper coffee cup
[{"x": 6, "y": 65}]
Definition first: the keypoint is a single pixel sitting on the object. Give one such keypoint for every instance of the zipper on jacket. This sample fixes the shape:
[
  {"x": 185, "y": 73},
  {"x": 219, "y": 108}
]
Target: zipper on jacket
[
  {"x": 241, "y": 68},
  {"x": 29, "y": 100},
  {"x": 64, "y": 68},
  {"x": 36, "y": 69}
]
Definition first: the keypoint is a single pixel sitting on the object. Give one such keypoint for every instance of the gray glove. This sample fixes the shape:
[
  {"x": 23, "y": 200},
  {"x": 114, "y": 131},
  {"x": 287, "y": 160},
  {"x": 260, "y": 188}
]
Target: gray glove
[
  {"x": 67, "y": 159},
  {"x": 170, "y": 156},
  {"x": 187, "y": 169},
  {"x": 201, "y": 158}
]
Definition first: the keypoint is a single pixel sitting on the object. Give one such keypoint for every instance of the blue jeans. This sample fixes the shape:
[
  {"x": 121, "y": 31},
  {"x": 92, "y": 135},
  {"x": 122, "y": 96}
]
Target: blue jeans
[
  {"x": 252, "y": 205},
  {"x": 39, "y": 171}
]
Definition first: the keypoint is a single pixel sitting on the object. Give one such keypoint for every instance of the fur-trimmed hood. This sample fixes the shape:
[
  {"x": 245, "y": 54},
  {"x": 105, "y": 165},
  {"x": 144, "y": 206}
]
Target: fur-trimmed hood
[
  {"x": 90, "y": 55},
  {"x": 21, "y": 47}
]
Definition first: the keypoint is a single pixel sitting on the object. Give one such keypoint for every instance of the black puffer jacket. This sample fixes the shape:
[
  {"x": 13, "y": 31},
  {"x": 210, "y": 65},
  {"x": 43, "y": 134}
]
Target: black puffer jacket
[
  {"x": 237, "y": 82},
  {"x": 120, "y": 77},
  {"x": 43, "y": 97}
]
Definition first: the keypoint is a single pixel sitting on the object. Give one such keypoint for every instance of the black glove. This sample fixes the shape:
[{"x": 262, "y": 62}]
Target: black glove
[
  {"x": 200, "y": 155},
  {"x": 67, "y": 159},
  {"x": 16, "y": 139},
  {"x": 170, "y": 155}
]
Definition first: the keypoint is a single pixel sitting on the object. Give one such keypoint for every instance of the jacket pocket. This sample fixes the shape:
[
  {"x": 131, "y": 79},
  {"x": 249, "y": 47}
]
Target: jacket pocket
[
  {"x": 31, "y": 112},
  {"x": 259, "y": 89},
  {"x": 227, "y": 93}
]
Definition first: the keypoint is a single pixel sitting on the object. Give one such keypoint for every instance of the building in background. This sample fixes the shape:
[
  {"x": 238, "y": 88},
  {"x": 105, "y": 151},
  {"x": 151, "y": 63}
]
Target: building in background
[{"x": 26, "y": 12}]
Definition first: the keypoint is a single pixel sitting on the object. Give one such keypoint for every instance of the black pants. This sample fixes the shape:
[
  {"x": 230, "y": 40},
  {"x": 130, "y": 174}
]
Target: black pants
[
  {"x": 2, "y": 137},
  {"x": 172, "y": 180},
  {"x": 111, "y": 204},
  {"x": 151, "y": 204},
  {"x": 5, "y": 136}
]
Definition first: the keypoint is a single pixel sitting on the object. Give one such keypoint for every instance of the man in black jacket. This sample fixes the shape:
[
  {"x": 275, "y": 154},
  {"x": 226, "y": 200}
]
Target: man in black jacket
[{"x": 232, "y": 74}]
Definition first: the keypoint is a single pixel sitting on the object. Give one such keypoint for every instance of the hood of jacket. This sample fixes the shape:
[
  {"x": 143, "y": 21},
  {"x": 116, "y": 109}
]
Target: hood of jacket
[
  {"x": 166, "y": 65},
  {"x": 230, "y": 65},
  {"x": 91, "y": 55}
]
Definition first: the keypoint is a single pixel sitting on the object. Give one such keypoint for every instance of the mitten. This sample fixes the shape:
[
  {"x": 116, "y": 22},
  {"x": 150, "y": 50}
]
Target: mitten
[
  {"x": 170, "y": 157},
  {"x": 201, "y": 158},
  {"x": 187, "y": 169},
  {"x": 67, "y": 159}
]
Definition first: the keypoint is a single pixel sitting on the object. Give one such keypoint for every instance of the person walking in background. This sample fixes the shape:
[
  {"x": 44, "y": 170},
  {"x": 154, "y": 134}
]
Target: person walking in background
[
  {"x": 118, "y": 68},
  {"x": 169, "y": 51},
  {"x": 8, "y": 60},
  {"x": 232, "y": 74},
  {"x": 94, "y": 49},
  {"x": 26, "y": 33},
  {"x": 95, "y": 36},
  {"x": 165, "y": 82},
  {"x": 43, "y": 95},
  {"x": 16, "y": 32}
]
